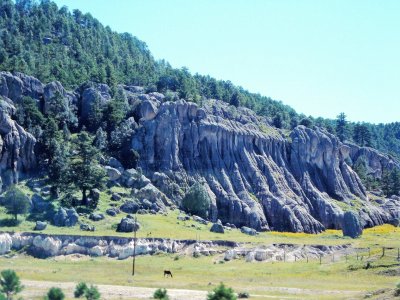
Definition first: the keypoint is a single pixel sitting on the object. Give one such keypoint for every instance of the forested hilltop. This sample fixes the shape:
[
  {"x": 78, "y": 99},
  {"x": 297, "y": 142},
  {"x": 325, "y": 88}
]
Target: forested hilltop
[{"x": 52, "y": 43}]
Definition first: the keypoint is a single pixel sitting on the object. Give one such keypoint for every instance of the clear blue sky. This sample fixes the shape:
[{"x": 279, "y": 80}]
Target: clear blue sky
[{"x": 320, "y": 57}]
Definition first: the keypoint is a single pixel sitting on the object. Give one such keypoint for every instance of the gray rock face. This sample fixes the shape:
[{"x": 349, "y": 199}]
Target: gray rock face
[
  {"x": 65, "y": 217},
  {"x": 40, "y": 225},
  {"x": 375, "y": 161},
  {"x": 260, "y": 180},
  {"x": 352, "y": 226},
  {"x": 90, "y": 94},
  {"x": 112, "y": 173},
  {"x": 17, "y": 156},
  {"x": 39, "y": 204},
  {"x": 128, "y": 224},
  {"x": 53, "y": 92}
]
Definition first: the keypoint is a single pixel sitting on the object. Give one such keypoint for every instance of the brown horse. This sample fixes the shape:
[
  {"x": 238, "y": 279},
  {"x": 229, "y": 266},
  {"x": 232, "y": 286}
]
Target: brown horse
[{"x": 167, "y": 273}]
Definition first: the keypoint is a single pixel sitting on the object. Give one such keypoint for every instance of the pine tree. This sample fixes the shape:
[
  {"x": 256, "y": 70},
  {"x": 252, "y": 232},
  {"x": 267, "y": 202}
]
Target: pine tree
[
  {"x": 342, "y": 129},
  {"x": 86, "y": 173}
]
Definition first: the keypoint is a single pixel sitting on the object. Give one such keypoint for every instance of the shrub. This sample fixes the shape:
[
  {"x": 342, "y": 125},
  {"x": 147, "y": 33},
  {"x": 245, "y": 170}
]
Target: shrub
[
  {"x": 197, "y": 201},
  {"x": 16, "y": 202},
  {"x": 161, "y": 294},
  {"x": 55, "y": 294},
  {"x": 397, "y": 290},
  {"x": 9, "y": 283},
  {"x": 92, "y": 293},
  {"x": 80, "y": 289},
  {"x": 222, "y": 292}
]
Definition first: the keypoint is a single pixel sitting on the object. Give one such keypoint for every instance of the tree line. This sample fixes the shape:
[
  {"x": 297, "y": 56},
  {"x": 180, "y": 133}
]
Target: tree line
[{"x": 52, "y": 43}]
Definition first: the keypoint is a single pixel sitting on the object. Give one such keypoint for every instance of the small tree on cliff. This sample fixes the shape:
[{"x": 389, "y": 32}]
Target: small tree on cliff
[
  {"x": 16, "y": 203},
  {"x": 197, "y": 201},
  {"x": 86, "y": 173}
]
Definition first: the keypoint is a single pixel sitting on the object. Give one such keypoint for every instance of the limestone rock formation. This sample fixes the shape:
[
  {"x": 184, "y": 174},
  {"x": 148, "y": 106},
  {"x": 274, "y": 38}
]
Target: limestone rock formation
[
  {"x": 66, "y": 217},
  {"x": 352, "y": 226},
  {"x": 128, "y": 224},
  {"x": 260, "y": 178},
  {"x": 256, "y": 175}
]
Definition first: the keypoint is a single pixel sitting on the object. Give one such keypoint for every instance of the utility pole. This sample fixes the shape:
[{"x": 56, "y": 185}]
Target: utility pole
[{"x": 134, "y": 246}]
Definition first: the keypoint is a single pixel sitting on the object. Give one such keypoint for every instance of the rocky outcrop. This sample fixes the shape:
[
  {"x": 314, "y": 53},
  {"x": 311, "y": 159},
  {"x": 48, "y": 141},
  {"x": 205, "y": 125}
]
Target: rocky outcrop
[
  {"x": 352, "y": 226},
  {"x": 375, "y": 161},
  {"x": 259, "y": 178},
  {"x": 256, "y": 175},
  {"x": 66, "y": 217},
  {"x": 17, "y": 156},
  {"x": 42, "y": 246}
]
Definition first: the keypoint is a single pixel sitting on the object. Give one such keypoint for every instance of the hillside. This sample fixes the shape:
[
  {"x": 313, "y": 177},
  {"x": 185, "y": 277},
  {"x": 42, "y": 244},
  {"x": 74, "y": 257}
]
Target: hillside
[
  {"x": 99, "y": 112},
  {"x": 250, "y": 173},
  {"x": 52, "y": 43}
]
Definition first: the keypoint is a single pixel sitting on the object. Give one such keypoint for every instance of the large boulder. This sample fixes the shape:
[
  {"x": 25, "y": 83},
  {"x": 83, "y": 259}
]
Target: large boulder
[
  {"x": 45, "y": 246},
  {"x": 87, "y": 227},
  {"x": 39, "y": 204},
  {"x": 248, "y": 231},
  {"x": 153, "y": 195},
  {"x": 96, "y": 217},
  {"x": 128, "y": 224},
  {"x": 134, "y": 179},
  {"x": 65, "y": 217},
  {"x": 352, "y": 226},
  {"x": 217, "y": 227},
  {"x": 112, "y": 173},
  {"x": 113, "y": 211},
  {"x": 129, "y": 207},
  {"x": 40, "y": 225}
]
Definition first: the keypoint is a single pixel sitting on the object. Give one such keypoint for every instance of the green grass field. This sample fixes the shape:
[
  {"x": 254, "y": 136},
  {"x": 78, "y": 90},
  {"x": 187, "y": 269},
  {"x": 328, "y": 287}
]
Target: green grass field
[{"x": 299, "y": 280}]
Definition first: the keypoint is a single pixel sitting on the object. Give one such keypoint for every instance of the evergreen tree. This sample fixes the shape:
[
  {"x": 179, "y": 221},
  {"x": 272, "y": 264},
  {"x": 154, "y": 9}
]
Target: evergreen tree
[
  {"x": 16, "y": 203},
  {"x": 197, "y": 201},
  {"x": 10, "y": 284},
  {"x": 362, "y": 135},
  {"x": 342, "y": 129},
  {"x": 86, "y": 173}
]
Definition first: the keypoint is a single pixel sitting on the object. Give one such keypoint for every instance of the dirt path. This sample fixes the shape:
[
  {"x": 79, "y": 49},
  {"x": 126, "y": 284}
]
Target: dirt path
[{"x": 37, "y": 289}]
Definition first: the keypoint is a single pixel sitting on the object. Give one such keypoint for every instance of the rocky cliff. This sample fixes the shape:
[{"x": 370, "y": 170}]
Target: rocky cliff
[{"x": 256, "y": 175}]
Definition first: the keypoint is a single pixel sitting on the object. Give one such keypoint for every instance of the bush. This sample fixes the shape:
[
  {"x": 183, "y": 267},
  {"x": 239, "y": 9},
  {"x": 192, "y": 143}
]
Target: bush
[
  {"x": 197, "y": 201},
  {"x": 55, "y": 294},
  {"x": 92, "y": 293},
  {"x": 160, "y": 294},
  {"x": 9, "y": 283},
  {"x": 397, "y": 290},
  {"x": 16, "y": 202},
  {"x": 80, "y": 289},
  {"x": 222, "y": 292}
]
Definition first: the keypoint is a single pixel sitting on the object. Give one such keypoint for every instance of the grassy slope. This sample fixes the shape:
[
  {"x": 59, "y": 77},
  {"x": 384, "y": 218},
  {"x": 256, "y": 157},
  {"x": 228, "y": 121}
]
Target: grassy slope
[{"x": 192, "y": 273}]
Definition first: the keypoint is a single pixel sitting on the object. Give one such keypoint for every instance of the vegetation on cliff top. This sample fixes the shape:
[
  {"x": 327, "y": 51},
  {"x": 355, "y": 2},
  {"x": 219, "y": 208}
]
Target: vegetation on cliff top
[{"x": 52, "y": 43}]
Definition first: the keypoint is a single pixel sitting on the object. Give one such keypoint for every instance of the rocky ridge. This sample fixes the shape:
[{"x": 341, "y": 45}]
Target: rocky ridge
[
  {"x": 43, "y": 246},
  {"x": 256, "y": 175}
]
